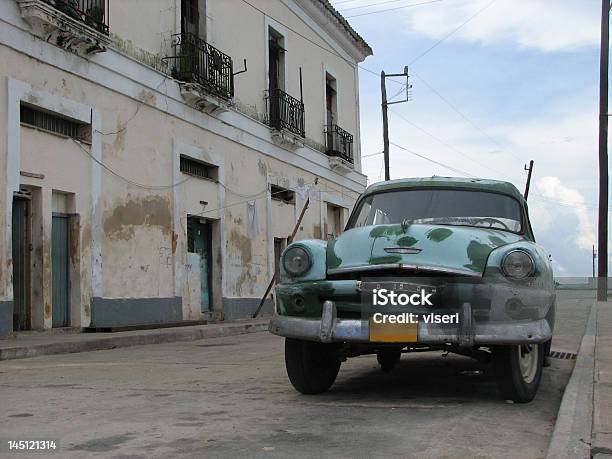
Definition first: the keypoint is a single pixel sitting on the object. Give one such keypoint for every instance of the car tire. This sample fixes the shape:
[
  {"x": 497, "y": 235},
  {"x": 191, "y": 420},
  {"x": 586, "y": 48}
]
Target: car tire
[
  {"x": 518, "y": 371},
  {"x": 312, "y": 367},
  {"x": 388, "y": 358}
]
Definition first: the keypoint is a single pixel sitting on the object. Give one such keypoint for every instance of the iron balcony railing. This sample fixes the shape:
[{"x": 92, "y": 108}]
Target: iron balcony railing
[
  {"x": 93, "y": 13},
  {"x": 285, "y": 112},
  {"x": 196, "y": 61},
  {"x": 339, "y": 143}
]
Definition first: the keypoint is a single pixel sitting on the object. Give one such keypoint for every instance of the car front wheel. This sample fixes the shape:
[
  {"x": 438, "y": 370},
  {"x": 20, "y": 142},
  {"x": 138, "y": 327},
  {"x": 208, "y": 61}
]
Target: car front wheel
[
  {"x": 518, "y": 370},
  {"x": 312, "y": 367}
]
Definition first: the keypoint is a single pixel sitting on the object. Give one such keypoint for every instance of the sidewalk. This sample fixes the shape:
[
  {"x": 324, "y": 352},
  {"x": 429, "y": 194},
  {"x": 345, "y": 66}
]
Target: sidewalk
[
  {"x": 601, "y": 444},
  {"x": 34, "y": 344},
  {"x": 583, "y": 428}
]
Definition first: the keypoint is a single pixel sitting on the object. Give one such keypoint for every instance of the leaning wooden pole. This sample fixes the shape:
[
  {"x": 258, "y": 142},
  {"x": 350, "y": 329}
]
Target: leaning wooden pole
[{"x": 273, "y": 280}]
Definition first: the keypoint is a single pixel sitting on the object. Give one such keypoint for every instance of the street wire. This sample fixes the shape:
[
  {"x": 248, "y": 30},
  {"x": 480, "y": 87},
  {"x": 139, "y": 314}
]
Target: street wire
[
  {"x": 447, "y": 145},
  {"x": 392, "y": 9},
  {"x": 446, "y": 166},
  {"x": 369, "y": 5},
  {"x": 452, "y": 32},
  {"x": 465, "y": 117}
]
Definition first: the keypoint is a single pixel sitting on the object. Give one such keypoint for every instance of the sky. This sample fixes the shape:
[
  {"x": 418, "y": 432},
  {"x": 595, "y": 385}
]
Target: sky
[{"x": 507, "y": 81}]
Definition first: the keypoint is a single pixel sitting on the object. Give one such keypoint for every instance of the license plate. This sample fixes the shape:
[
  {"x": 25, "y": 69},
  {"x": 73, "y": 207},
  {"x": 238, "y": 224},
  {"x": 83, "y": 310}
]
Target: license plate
[{"x": 393, "y": 333}]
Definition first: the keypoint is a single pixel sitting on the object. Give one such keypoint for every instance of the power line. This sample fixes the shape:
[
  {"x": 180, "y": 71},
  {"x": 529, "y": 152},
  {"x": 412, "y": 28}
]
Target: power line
[
  {"x": 369, "y": 5},
  {"x": 446, "y": 166},
  {"x": 452, "y": 32},
  {"x": 346, "y": 1},
  {"x": 392, "y": 9},
  {"x": 464, "y": 116},
  {"x": 125, "y": 179},
  {"x": 447, "y": 145}
]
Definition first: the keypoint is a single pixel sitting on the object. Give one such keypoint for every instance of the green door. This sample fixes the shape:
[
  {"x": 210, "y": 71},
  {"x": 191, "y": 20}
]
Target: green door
[
  {"x": 60, "y": 274},
  {"x": 21, "y": 306},
  {"x": 199, "y": 241}
]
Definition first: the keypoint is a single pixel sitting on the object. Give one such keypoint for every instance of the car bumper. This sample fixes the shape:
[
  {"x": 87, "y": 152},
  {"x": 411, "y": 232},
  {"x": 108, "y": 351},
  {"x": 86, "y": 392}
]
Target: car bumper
[{"x": 329, "y": 329}]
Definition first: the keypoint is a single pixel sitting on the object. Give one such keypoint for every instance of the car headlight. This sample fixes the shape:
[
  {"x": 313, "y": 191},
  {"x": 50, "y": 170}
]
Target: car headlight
[
  {"x": 517, "y": 264},
  {"x": 296, "y": 261}
]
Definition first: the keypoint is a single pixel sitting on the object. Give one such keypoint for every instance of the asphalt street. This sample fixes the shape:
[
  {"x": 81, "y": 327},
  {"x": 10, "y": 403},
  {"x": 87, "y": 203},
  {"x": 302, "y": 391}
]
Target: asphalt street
[{"x": 230, "y": 397}]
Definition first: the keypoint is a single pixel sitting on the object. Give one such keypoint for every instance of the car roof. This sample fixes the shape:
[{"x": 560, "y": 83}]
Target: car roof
[{"x": 495, "y": 186}]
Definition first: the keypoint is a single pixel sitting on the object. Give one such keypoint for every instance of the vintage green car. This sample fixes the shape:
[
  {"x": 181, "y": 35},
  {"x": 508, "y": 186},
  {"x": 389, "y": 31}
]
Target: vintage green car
[{"x": 464, "y": 245}]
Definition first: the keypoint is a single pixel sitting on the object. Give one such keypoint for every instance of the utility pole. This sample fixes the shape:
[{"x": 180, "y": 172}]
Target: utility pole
[
  {"x": 385, "y": 120},
  {"x": 528, "y": 184},
  {"x": 602, "y": 239},
  {"x": 594, "y": 257},
  {"x": 385, "y": 117}
]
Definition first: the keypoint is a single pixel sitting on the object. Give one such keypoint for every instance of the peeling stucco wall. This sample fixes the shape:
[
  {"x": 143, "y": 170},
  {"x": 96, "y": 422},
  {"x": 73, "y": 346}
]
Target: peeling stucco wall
[{"x": 143, "y": 201}]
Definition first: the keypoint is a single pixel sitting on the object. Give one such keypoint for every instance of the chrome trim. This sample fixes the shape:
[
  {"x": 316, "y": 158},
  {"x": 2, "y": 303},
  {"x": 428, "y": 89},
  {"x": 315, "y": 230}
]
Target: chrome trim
[
  {"x": 403, "y": 250},
  {"x": 357, "y": 331},
  {"x": 417, "y": 268}
]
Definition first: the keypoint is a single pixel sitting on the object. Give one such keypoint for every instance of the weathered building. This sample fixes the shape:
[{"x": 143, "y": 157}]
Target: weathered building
[{"x": 155, "y": 154}]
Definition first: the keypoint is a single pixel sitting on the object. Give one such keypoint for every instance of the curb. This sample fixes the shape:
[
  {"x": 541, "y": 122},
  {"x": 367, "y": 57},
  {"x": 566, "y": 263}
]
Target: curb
[
  {"x": 132, "y": 339},
  {"x": 571, "y": 436}
]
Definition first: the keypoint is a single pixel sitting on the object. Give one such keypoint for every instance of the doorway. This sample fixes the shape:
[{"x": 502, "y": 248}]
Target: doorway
[
  {"x": 199, "y": 242},
  {"x": 21, "y": 263},
  {"x": 60, "y": 270}
]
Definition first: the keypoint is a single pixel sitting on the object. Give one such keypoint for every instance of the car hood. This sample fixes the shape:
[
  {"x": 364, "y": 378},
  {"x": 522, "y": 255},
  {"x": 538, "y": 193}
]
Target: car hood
[{"x": 435, "y": 248}]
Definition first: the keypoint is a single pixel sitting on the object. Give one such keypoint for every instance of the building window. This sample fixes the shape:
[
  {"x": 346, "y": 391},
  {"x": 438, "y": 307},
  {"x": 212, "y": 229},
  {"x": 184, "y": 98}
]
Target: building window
[
  {"x": 190, "y": 17},
  {"x": 282, "y": 194},
  {"x": 331, "y": 103},
  {"x": 54, "y": 124},
  {"x": 276, "y": 60},
  {"x": 199, "y": 169}
]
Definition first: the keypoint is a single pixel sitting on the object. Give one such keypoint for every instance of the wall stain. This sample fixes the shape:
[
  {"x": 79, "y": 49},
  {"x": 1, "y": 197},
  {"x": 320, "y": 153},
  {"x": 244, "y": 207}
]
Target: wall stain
[
  {"x": 150, "y": 211},
  {"x": 148, "y": 97},
  {"x": 119, "y": 142},
  {"x": 245, "y": 248},
  {"x": 263, "y": 167},
  {"x": 47, "y": 310},
  {"x": 174, "y": 242},
  {"x": 73, "y": 238}
]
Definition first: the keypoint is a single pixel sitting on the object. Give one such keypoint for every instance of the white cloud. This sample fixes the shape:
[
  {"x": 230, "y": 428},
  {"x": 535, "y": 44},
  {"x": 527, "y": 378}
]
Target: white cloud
[
  {"x": 545, "y": 25},
  {"x": 552, "y": 188}
]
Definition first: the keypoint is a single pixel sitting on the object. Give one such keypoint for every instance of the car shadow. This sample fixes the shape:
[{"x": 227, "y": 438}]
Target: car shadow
[{"x": 423, "y": 378}]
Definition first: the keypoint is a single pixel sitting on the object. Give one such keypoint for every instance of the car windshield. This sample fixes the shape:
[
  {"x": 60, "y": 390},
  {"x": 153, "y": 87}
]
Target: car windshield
[{"x": 440, "y": 207}]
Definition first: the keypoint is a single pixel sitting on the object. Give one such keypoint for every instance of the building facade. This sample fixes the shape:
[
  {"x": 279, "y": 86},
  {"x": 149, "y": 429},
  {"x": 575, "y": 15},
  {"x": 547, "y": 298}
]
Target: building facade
[{"x": 155, "y": 155}]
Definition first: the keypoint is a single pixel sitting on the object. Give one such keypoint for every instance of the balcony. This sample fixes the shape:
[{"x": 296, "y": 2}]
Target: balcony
[
  {"x": 210, "y": 70},
  {"x": 339, "y": 148},
  {"x": 93, "y": 13},
  {"x": 79, "y": 26},
  {"x": 285, "y": 112}
]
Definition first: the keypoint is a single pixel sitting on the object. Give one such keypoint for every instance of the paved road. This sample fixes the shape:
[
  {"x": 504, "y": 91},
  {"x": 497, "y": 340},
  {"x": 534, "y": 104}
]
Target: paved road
[{"x": 230, "y": 397}]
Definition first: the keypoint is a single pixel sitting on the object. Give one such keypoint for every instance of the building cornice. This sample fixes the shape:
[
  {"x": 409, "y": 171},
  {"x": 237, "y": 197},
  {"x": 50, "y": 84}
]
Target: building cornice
[{"x": 327, "y": 17}]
